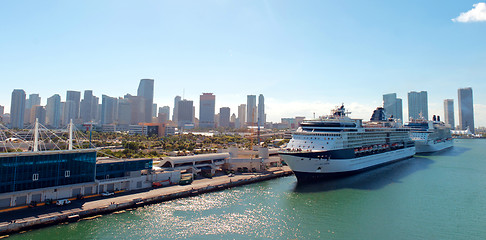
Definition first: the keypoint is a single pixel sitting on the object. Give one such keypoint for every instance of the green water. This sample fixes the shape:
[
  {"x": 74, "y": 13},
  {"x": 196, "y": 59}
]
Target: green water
[{"x": 438, "y": 196}]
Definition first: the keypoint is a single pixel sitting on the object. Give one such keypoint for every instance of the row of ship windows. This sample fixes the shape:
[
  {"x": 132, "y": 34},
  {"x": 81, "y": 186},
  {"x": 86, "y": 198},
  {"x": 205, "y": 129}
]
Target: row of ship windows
[{"x": 310, "y": 138}]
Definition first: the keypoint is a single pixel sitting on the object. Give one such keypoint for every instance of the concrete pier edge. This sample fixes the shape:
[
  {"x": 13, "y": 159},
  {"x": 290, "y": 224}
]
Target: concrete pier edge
[{"x": 74, "y": 216}]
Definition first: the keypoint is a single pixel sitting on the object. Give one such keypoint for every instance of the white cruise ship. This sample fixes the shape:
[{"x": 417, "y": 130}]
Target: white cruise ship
[
  {"x": 430, "y": 136},
  {"x": 337, "y": 145}
]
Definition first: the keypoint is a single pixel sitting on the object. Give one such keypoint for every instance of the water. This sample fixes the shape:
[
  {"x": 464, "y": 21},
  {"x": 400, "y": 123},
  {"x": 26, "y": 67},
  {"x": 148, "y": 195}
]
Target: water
[{"x": 437, "y": 196}]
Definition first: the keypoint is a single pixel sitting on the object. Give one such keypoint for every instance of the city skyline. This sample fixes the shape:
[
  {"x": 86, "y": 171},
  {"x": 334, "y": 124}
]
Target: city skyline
[{"x": 299, "y": 62}]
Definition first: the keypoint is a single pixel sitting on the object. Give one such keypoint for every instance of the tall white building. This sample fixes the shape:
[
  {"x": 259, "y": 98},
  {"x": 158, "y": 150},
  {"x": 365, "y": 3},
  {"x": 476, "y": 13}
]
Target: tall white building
[
  {"x": 449, "y": 112},
  {"x": 393, "y": 106},
  {"x": 251, "y": 110},
  {"x": 261, "y": 111},
  {"x": 241, "y": 116},
  {"x": 466, "y": 109},
  {"x": 53, "y": 111},
  {"x": 418, "y": 105}
]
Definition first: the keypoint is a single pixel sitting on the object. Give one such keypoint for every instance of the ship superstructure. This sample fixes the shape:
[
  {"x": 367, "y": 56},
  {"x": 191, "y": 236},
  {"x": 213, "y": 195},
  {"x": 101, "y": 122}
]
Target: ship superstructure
[
  {"x": 430, "y": 136},
  {"x": 337, "y": 145}
]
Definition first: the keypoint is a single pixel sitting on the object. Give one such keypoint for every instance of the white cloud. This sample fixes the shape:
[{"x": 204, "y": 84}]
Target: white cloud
[{"x": 477, "y": 14}]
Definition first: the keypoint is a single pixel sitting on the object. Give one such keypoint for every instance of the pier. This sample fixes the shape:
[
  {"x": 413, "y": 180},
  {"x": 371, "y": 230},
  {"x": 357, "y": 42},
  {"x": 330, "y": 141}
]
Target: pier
[{"x": 25, "y": 219}]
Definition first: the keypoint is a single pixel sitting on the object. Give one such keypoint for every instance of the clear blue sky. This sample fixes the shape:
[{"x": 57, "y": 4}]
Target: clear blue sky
[{"x": 304, "y": 56}]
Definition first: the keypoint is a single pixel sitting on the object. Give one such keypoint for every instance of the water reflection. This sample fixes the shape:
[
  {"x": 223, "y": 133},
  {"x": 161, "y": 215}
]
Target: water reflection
[{"x": 370, "y": 180}]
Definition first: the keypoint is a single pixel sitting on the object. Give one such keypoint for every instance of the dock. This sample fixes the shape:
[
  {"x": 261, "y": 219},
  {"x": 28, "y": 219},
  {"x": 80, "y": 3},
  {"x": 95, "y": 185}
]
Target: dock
[{"x": 26, "y": 219}]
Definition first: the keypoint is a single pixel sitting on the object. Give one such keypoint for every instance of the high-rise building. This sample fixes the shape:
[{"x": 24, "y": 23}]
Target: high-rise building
[
  {"x": 224, "y": 117},
  {"x": 124, "y": 112},
  {"x": 2, "y": 110},
  {"x": 53, "y": 111},
  {"x": 207, "y": 103},
  {"x": 86, "y": 109},
  {"x": 33, "y": 100},
  {"x": 185, "y": 113},
  {"x": 137, "y": 108},
  {"x": 164, "y": 114},
  {"x": 146, "y": 90},
  {"x": 96, "y": 109},
  {"x": 241, "y": 116},
  {"x": 39, "y": 113},
  {"x": 466, "y": 109},
  {"x": 418, "y": 105},
  {"x": 233, "y": 120},
  {"x": 154, "y": 110},
  {"x": 449, "y": 112},
  {"x": 393, "y": 106},
  {"x": 108, "y": 105},
  {"x": 251, "y": 110},
  {"x": 75, "y": 98},
  {"x": 261, "y": 111},
  {"x": 17, "y": 108},
  {"x": 177, "y": 99}
]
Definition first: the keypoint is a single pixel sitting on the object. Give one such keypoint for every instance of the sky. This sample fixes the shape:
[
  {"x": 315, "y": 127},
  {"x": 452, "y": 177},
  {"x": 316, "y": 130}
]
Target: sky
[{"x": 305, "y": 57}]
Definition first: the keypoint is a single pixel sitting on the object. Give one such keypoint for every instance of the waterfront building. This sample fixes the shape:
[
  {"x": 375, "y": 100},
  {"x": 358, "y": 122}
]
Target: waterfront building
[
  {"x": 185, "y": 113},
  {"x": 207, "y": 103},
  {"x": 75, "y": 98},
  {"x": 393, "y": 106},
  {"x": 53, "y": 111},
  {"x": 251, "y": 110},
  {"x": 449, "y": 112},
  {"x": 466, "y": 109},
  {"x": 177, "y": 99},
  {"x": 224, "y": 117},
  {"x": 261, "y": 111},
  {"x": 86, "y": 109},
  {"x": 108, "y": 105},
  {"x": 418, "y": 105},
  {"x": 31, "y": 170},
  {"x": 241, "y": 116},
  {"x": 146, "y": 91},
  {"x": 17, "y": 108}
]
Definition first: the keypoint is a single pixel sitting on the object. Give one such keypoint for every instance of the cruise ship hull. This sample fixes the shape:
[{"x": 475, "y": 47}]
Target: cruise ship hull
[
  {"x": 311, "y": 168},
  {"x": 423, "y": 147}
]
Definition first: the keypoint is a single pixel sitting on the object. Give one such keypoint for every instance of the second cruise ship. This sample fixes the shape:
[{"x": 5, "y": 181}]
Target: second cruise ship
[{"x": 337, "y": 145}]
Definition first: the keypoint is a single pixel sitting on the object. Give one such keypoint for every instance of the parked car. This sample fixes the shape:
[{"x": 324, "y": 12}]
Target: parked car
[
  {"x": 106, "y": 194},
  {"x": 62, "y": 202}
]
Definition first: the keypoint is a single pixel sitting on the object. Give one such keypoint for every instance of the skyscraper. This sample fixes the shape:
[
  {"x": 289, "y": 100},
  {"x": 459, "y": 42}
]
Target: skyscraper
[
  {"x": 34, "y": 100},
  {"x": 86, "y": 111},
  {"x": 124, "y": 112},
  {"x": 17, "y": 108},
  {"x": 392, "y": 106},
  {"x": 53, "y": 111},
  {"x": 2, "y": 110},
  {"x": 449, "y": 112},
  {"x": 261, "y": 111},
  {"x": 108, "y": 105},
  {"x": 251, "y": 110},
  {"x": 146, "y": 90},
  {"x": 185, "y": 113},
  {"x": 164, "y": 114},
  {"x": 39, "y": 113},
  {"x": 207, "y": 103},
  {"x": 75, "y": 98},
  {"x": 224, "y": 117},
  {"x": 154, "y": 110},
  {"x": 241, "y": 116},
  {"x": 418, "y": 105},
  {"x": 177, "y": 99},
  {"x": 137, "y": 108},
  {"x": 466, "y": 109}
]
